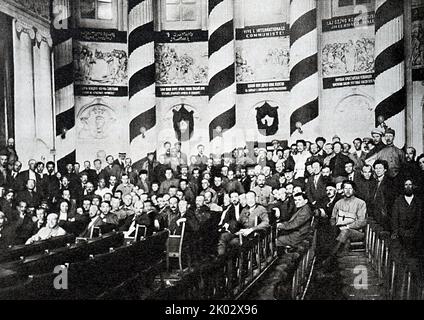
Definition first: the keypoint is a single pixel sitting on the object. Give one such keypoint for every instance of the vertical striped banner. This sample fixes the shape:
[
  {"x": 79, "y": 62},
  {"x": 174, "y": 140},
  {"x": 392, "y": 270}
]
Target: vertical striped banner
[
  {"x": 222, "y": 85},
  {"x": 303, "y": 64},
  {"x": 63, "y": 83},
  {"x": 390, "y": 92},
  {"x": 141, "y": 68}
]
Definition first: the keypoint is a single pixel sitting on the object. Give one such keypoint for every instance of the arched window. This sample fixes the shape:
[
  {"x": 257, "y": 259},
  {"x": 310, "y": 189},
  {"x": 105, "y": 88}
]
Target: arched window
[
  {"x": 348, "y": 7},
  {"x": 182, "y": 14},
  {"x": 102, "y": 14},
  {"x": 254, "y": 12}
]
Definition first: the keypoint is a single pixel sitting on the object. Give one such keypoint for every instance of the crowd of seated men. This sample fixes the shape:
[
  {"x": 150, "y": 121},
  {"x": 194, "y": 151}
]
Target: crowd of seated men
[{"x": 222, "y": 200}]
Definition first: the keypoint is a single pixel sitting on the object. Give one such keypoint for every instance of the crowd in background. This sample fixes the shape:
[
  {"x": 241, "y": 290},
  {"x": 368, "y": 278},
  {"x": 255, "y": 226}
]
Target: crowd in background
[{"x": 220, "y": 200}]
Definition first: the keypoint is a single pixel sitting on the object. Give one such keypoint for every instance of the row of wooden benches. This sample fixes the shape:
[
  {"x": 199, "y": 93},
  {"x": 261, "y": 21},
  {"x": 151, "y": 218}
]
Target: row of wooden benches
[{"x": 93, "y": 268}]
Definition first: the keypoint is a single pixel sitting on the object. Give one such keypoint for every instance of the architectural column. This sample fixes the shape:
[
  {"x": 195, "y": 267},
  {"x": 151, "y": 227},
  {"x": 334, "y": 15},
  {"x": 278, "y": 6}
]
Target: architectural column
[
  {"x": 44, "y": 124},
  {"x": 390, "y": 92},
  {"x": 304, "y": 67},
  {"x": 222, "y": 85},
  {"x": 141, "y": 68},
  {"x": 24, "y": 36},
  {"x": 63, "y": 83}
]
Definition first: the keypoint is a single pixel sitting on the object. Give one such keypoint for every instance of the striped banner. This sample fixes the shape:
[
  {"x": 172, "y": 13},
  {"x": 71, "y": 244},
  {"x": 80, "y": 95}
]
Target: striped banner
[
  {"x": 222, "y": 85},
  {"x": 303, "y": 65},
  {"x": 390, "y": 92},
  {"x": 63, "y": 83},
  {"x": 141, "y": 68}
]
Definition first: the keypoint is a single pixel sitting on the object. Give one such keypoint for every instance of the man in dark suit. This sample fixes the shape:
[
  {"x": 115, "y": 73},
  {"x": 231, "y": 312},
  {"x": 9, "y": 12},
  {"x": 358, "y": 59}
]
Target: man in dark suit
[
  {"x": 139, "y": 217},
  {"x": 315, "y": 187},
  {"x": 384, "y": 195},
  {"x": 94, "y": 221},
  {"x": 51, "y": 183},
  {"x": 25, "y": 175},
  {"x": 228, "y": 222},
  {"x": 7, "y": 232},
  {"x": 121, "y": 160},
  {"x": 7, "y": 205},
  {"x": 4, "y": 170},
  {"x": 24, "y": 225},
  {"x": 351, "y": 173},
  {"x": 324, "y": 210},
  {"x": 91, "y": 173},
  {"x": 294, "y": 231},
  {"x": 14, "y": 173},
  {"x": 41, "y": 179},
  {"x": 30, "y": 197},
  {"x": 111, "y": 169}
]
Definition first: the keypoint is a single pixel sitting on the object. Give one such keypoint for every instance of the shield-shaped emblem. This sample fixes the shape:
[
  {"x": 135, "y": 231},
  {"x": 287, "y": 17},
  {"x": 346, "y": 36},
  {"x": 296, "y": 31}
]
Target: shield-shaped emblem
[
  {"x": 183, "y": 123},
  {"x": 267, "y": 119}
]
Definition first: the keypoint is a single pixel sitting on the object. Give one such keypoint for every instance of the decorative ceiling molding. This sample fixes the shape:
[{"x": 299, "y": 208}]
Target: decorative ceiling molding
[{"x": 33, "y": 12}]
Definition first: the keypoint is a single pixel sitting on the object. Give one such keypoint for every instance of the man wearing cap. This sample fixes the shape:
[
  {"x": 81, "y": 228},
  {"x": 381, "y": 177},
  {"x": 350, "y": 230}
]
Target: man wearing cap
[
  {"x": 394, "y": 156},
  {"x": 143, "y": 182},
  {"x": 377, "y": 136}
]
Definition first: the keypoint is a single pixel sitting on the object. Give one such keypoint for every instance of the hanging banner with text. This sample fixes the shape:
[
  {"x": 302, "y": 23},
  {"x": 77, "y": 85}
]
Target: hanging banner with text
[
  {"x": 101, "y": 60},
  {"x": 348, "y": 51},
  {"x": 263, "y": 58}
]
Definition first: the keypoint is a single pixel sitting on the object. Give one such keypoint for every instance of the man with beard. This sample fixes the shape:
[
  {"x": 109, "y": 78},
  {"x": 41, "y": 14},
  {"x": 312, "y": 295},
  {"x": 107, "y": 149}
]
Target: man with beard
[
  {"x": 263, "y": 192},
  {"x": 410, "y": 168},
  {"x": 4, "y": 171},
  {"x": 219, "y": 189},
  {"x": 169, "y": 215},
  {"x": 358, "y": 155},
  {"x": 293, "y": 232},
  {"x": 324, "y": 211},
  {"x": 139, "y": 217},
  {"x": 407, "y": 217},
  {"x": 94, "y": 221},
  {"x": 14, "y": 173},
  {"x": 51, "y": 183},
  {"x": 187, "y": 192},
  {"x": 366, "y": 185},
  {"x": 10, "y": 151},
  {"x": 338, "y": 162},
  {"x": 245, "y": 179}
]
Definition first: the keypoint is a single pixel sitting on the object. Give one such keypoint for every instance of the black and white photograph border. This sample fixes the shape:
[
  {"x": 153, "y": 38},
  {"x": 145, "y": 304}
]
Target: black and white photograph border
[{"x": 228, "y": 152}]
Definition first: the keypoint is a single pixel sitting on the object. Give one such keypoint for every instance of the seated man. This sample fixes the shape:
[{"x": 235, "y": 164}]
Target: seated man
[
  {"x": 139, "y": 217},
  {"x": 7, "y": 232},
  {"x": 349, "y": 216},
  {"x": 51, "y": 230},
  {"x": 294, "y": 231},
  {"x": 252, "y": 218}
]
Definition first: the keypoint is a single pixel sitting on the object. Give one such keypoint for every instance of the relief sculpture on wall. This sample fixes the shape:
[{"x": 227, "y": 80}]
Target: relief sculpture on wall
[
  {"x": 95, "y": 121},
  {"x": 418, "y": 44}
]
